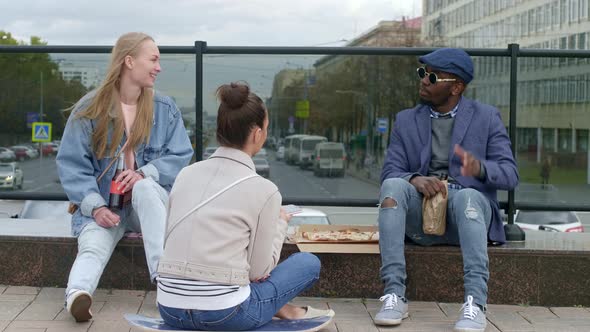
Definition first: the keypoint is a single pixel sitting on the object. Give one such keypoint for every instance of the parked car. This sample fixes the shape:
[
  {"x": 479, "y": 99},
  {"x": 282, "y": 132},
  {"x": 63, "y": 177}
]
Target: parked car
[
  {"x": 306, "y": 217},
  {"x": 34, "y": 147},
  {"x": 309, "y": 216},
  {"x": 328, "y": 159},
  {"x": 261, "y": 154},
  {"x": 551, "y": 221},
  {"x": 208, "y": 152},
  {"x": 23, "y": 152},
  {"x": 281, "y": 153},
  {"x": 11, "y": 176},
  {"x": 49, "y": 149},
  {"x": 262, "y": 167},
  {"x": 7, "y": 154}
]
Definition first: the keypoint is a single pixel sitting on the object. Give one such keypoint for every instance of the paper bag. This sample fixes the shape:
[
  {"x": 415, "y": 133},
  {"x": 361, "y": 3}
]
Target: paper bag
[{"x": 434, "y": 213}]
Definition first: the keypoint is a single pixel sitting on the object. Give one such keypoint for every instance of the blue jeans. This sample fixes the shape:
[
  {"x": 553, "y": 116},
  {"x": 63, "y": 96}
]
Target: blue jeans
[
  {"x": 468, "y": 218},
  {"x": 291, "y": 277},
  {"x": 145, "y": 214}
]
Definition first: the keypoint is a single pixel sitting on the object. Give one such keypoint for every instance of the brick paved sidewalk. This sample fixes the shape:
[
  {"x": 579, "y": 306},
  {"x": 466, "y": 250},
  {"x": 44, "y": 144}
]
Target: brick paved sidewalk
[{"x": 31, "y": 309}]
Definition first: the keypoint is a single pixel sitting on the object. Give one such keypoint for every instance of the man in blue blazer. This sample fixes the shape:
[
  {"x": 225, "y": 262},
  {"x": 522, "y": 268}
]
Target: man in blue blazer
[{"x": 445, "y": 136}]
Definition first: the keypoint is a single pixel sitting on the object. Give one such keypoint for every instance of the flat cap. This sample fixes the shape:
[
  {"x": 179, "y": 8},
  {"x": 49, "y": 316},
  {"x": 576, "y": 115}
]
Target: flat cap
[{"x": 450, "y": 60}]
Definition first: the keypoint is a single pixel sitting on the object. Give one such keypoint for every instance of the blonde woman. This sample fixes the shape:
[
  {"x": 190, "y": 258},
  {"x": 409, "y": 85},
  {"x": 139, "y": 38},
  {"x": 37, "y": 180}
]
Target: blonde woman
[{"x": 124, "y": 116}]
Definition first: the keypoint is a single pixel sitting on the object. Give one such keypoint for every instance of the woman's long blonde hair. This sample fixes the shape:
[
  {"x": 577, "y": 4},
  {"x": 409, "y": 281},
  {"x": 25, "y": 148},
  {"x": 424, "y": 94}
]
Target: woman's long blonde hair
[{"x": 105, "y": 107}]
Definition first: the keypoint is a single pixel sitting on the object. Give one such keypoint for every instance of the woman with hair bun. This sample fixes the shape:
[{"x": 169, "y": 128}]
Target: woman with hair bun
[{"x": 225, "y": 232}]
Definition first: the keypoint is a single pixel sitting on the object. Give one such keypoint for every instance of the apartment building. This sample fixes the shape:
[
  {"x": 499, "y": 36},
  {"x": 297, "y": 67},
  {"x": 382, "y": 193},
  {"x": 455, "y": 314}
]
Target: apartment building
[{"x": 553, "y": 98}]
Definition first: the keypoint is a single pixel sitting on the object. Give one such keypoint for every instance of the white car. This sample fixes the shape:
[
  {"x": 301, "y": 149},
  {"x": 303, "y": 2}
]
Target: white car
[
  {"x": 261, "y": 154},
  {"x": 11, "y": 176},
  {"x": 262, "y": 167},
  {"x": 7, "y": 154},
  {"x": 306, "y": 217},
  {"x": 550, "y": 221}
]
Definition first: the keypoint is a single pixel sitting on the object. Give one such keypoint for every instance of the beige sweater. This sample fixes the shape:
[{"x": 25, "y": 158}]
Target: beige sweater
[{"x": 235, "y": 238}]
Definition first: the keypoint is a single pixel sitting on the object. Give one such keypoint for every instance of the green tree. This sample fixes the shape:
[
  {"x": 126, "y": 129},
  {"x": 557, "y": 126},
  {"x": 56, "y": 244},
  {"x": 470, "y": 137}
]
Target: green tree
[{"x": 21, "y": 92}]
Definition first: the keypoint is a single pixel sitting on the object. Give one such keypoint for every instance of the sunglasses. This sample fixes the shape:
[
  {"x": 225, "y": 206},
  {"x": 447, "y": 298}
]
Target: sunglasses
[{"x": 432, "y": 78}]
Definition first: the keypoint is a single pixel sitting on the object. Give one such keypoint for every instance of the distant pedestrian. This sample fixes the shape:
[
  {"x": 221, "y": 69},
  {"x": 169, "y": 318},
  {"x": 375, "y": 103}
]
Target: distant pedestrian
[{"x": 545, "y": 172}]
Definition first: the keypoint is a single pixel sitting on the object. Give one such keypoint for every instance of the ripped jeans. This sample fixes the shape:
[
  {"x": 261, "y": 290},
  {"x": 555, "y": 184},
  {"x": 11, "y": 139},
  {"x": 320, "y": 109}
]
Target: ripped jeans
[{"x": 468, "y": 218}]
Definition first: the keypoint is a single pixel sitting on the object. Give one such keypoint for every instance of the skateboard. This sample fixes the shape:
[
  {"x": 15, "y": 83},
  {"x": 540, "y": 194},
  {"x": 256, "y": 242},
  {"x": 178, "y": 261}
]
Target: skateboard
[{"x": 300, "y": 325}]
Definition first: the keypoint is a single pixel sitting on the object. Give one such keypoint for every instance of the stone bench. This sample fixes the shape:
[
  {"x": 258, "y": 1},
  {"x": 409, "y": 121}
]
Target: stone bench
[{"x": 549, "y": 269}]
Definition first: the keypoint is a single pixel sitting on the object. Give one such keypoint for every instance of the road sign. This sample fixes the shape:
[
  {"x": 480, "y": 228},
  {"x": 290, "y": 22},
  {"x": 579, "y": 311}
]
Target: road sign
[
  {"x": 32, "y": 117},
  {"x": 382, "y": 125},
  {"x": 302, "y": 109},
  {"x": 41, "y": 132}
]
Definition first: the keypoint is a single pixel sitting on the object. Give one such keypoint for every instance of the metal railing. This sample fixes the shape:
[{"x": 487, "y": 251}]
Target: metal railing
[{"x": 200, "y": 48}]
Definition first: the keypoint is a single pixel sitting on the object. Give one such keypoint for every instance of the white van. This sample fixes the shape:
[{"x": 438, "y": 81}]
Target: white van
[
  {"x": 328, "y": 159},
  {"x": 292, "y": 143},
  {"x": 306, "y": 148}
]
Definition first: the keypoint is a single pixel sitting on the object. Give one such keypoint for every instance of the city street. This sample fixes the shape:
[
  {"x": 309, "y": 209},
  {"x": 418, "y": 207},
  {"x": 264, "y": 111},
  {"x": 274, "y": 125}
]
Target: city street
[
  {"x": 293, "y": 182},
  {"x": 40, "y": 175}
]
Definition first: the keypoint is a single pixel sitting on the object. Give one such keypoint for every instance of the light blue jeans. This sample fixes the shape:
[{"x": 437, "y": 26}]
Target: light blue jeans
[
  {"x": 291, "y": 277},
  {"x": 145, "y": 214},
  {"x": 468, "y": 218}
]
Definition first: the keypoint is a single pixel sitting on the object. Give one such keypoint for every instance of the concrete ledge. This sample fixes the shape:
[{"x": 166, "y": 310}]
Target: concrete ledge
[{"x": 550, "y": 269}]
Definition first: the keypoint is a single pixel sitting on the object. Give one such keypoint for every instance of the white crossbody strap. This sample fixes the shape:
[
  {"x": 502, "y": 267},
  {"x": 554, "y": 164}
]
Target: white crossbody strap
[{"x": 207, "y": 201}]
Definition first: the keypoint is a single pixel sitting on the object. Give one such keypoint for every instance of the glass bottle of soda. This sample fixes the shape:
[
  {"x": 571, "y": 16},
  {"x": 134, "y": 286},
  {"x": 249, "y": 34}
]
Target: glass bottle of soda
[{"x": 116, "y": 194}]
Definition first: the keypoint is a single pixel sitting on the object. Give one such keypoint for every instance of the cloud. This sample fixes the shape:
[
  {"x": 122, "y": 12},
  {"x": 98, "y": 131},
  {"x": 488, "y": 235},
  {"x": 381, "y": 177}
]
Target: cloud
[{"x": 181, "y": 22}]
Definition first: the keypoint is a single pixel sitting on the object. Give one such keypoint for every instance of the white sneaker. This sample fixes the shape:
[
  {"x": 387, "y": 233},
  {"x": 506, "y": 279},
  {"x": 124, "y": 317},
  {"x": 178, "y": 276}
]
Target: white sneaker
[
  {"x": 472, "y": 318},
  {"x": 325, "y": 315},
  {"x": 78, "y": 304},
  {"x": 393, "y": 311}
]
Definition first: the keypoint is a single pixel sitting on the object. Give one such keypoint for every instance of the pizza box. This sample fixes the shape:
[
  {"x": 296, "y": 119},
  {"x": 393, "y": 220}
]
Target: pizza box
[
  {"x": 339, "y": 248},
  {"x": 342, "y": 246}
]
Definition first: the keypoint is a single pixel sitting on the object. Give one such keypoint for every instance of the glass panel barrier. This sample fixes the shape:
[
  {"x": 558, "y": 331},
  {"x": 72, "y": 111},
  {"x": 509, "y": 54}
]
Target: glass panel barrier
[{"x": 42, "y": 87}]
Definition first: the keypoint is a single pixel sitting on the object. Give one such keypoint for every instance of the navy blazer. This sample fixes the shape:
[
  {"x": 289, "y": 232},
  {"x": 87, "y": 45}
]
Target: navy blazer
[{"x": 478, "y": 128}]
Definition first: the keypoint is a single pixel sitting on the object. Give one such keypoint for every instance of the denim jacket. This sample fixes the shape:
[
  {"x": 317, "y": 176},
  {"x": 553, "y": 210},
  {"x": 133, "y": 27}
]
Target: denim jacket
[{"x": 166, "y": 153}]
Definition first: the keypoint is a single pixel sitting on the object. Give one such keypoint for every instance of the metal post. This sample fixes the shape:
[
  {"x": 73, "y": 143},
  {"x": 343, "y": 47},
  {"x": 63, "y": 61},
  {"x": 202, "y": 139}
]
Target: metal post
[
  {"x": 200, "y": 47},
  {"x": 41, "y": 120},
  {"x": 513, "y": 232}
]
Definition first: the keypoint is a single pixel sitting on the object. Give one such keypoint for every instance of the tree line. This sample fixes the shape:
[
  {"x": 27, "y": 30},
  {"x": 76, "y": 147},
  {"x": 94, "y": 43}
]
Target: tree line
[{"x": 21, "y": 91}]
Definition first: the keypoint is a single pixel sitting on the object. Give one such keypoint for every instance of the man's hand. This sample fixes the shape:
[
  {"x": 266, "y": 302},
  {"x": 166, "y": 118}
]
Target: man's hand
[
  {"x": 127, "y": 179},
  {"x": 284, "y": 215},
  {"x": 471, "y": 166},
  {"x": 428, "y": 186},
  {"x": 105, "y": 217}
]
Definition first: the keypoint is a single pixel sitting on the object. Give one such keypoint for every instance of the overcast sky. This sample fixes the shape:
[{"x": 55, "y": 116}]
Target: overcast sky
[{"x": 219, "y": 22}]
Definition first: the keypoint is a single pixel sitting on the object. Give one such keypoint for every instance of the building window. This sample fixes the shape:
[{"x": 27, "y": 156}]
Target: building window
[
  {"x": 564, "y": 140},
  {"x": 548, "y": 139},
  {"x": 582, "y": 140},
  {"x": 564, "y": 12},
  {"x": 582, "y": 41}
]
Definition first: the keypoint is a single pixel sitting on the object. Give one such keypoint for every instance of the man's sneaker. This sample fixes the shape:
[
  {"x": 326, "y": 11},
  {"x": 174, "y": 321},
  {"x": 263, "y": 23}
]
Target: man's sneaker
[
  {"x": 392, "y": 312},
  {"x": 472, "y": 318},
  {"x": 78, "y": 303}
]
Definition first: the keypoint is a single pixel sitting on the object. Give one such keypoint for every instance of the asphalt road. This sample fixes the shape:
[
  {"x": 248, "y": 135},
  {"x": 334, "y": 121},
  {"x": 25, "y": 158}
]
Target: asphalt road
[{"x": 40, "y": 175}]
